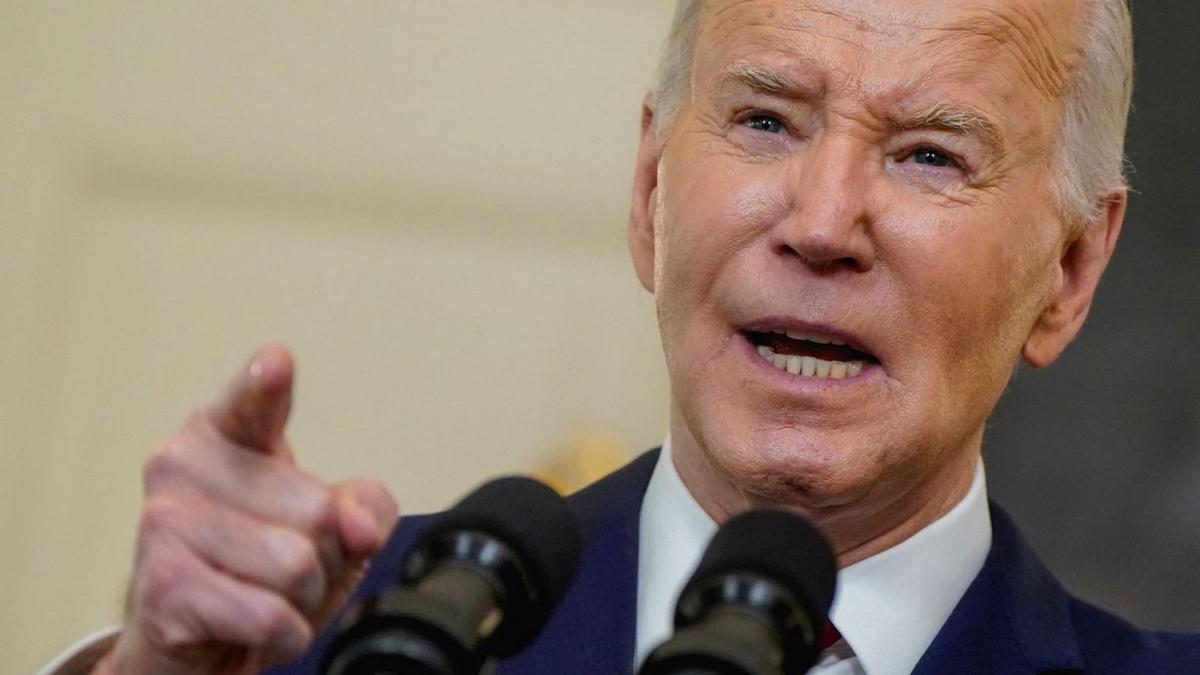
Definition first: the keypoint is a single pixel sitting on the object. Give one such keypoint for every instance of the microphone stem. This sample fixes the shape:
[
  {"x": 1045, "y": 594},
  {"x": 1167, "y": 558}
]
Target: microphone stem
[{"x": 471, "y": 601}]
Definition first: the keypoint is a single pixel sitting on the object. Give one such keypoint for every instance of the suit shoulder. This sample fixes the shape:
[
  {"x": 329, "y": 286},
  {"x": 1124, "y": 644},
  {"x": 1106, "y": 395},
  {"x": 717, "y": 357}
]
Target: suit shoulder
[
  {"x": 616, "y": 495},
  {"x": 1111, "y": 644}
]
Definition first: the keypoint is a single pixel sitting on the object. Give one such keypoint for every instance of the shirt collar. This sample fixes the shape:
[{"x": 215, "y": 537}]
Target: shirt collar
[{"x": 888, "y": 607}]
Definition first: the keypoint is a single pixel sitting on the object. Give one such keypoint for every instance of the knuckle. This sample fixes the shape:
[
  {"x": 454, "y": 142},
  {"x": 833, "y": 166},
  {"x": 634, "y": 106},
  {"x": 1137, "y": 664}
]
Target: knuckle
[
  {"x": 271, "y": 621},
  {"x": 162, "y": 466},
  {"x": 174, "y": 635},
  {"x": 171, "y": 460},
  {"x": 274, "y": 618},
  {"x": 295, "y": 644},
  {"x": 158, "y": 517},
  {"x": 300, "y": 565},
  {"x": 321, "y": 512},
  {"x": 160, "y": 584},
  {"x": 174, "y": 619}
]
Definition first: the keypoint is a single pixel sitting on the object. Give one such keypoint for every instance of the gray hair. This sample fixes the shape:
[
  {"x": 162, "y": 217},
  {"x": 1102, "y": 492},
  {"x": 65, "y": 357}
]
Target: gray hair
[{"x": 1089, "y": 158}]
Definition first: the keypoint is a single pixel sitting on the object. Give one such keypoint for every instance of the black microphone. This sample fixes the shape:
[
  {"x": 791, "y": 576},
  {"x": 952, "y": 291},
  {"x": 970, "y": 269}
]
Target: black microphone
[
  {"x": 479, "y": 583},
  {"x": 757, "y": 603}
]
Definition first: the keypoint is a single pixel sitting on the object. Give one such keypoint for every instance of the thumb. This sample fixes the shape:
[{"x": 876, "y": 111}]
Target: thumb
[
  {"x": 253, "y": 409},
  {"x": 367, "y": 514}
]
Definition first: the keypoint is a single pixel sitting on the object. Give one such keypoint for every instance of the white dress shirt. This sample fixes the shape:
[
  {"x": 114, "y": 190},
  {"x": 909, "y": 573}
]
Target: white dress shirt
[{"x": 888, "y": 607}]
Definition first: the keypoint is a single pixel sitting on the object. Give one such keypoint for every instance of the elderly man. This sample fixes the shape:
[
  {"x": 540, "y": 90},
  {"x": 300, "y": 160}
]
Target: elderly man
[{"x": 856, "y": 217}]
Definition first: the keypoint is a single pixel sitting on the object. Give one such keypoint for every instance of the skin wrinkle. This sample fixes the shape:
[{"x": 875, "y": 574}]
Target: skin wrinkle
[
  {"x": 1026, "y": 37},
  {"x": 962, "y": 119},
  {"x": 1027, "y": 34},
  {"x": 900, "y": 19},
  {"x": 980, "y": 180},
  {"x": 804, "y": 29},
  {"x": 1045, "y": 68}
]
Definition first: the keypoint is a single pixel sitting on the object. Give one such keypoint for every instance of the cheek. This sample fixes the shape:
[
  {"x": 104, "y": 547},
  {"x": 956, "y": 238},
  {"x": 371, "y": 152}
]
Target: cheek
[
  {"x": 973, "y": 283},
  {"x": 713, "y": 214}
]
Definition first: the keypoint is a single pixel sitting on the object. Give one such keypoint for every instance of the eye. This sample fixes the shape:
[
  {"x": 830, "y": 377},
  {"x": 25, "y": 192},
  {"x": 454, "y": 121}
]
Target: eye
[
  {"x": 766, "y": 123},
  {"x": 931, "y": 157}
]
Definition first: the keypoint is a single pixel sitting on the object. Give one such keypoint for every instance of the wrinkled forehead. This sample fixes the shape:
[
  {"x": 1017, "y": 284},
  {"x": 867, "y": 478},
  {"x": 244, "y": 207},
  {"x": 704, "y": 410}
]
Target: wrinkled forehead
[{"x": 1032, "y": 40}]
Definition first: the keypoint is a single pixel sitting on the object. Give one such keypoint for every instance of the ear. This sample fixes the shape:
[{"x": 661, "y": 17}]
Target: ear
[
  {"x": 1083, "y": 260},
  {"x": 644, "y": 198}
]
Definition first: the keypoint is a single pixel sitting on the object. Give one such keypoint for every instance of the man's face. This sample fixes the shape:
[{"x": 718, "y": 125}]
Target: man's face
[{"x": 870, "y": 173}]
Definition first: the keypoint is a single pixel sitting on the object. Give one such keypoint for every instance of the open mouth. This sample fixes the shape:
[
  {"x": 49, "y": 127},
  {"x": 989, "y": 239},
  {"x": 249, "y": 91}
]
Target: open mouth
[{"x": 809, "y": 354}]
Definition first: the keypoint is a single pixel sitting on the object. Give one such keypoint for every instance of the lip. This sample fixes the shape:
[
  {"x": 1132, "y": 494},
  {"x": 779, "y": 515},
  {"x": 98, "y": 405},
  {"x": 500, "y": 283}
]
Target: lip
[
  {"x": 871, "y": 370},
  {"x": 774, "y": 323}
]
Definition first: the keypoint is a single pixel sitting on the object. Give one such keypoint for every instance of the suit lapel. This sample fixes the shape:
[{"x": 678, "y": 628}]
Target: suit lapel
[
  {"x": 1014, "y": 618},
  {"x": 593, "y": 630}
]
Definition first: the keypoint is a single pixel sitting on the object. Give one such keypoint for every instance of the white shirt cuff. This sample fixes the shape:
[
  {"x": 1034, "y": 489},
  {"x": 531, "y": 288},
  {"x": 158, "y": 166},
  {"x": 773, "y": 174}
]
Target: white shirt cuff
[{"x": 83, "y": 656}]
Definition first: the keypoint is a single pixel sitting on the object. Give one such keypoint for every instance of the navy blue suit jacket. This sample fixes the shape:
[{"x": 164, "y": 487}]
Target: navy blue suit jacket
[{"x": 1014, "y": 618}]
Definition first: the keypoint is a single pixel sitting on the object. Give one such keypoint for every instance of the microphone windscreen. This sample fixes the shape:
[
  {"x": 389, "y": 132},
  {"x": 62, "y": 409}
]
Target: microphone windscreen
[
  {"x": 779, "y": 545},
  {"x": 533, "y": 520}
]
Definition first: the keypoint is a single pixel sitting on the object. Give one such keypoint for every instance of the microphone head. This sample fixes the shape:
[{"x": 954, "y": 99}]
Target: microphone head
[
  {"x": 543, "y": 535},
  {"x": 769, "y": 563},
  {"x": 776, "y": 544}
]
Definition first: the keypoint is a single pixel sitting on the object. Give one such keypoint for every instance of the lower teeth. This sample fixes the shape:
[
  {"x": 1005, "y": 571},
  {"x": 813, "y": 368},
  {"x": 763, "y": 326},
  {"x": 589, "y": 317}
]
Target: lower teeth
[{"x": 808, "y": 366}]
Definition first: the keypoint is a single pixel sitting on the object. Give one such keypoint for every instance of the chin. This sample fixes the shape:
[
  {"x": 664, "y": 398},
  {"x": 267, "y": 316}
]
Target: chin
[{"x": 794, "y": 467}]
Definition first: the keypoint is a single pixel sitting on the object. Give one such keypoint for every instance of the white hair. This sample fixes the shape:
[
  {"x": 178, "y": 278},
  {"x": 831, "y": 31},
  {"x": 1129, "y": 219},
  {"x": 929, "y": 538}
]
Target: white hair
[{"x": 1089, "y": 158}]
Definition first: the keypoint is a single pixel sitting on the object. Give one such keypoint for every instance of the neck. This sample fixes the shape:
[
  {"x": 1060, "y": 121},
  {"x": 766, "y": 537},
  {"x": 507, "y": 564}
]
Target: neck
[{"x": 858, "y": 528}]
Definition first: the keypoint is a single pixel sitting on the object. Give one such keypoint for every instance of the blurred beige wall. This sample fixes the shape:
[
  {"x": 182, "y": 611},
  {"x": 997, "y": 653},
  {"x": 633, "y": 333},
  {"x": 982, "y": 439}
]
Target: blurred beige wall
[{"x": 425, "y": 199}]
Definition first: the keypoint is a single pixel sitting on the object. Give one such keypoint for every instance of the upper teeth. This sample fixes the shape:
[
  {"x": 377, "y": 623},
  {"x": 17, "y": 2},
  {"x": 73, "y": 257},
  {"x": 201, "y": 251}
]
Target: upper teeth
[
  {"x": 810, "y": 337},
  {"x": 810, "y": 366}
]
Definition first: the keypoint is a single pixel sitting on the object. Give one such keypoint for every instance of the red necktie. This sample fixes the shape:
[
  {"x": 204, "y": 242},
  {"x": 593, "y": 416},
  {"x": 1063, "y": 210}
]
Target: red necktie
[{"x": 829, "y": 636}]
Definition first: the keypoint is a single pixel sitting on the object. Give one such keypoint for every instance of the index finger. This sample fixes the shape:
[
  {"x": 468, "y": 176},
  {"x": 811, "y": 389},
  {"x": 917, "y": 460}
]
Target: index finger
[{"x": 253, "y": 409}]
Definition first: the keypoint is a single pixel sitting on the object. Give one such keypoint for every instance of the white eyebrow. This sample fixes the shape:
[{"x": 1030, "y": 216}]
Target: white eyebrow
[
  {"x": 958, "y": 118},
  {"x": 766, "y": 80}
]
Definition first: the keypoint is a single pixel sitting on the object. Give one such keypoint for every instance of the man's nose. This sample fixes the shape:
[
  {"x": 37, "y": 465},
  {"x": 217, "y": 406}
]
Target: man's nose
[{"x": 829, "y": 224}]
